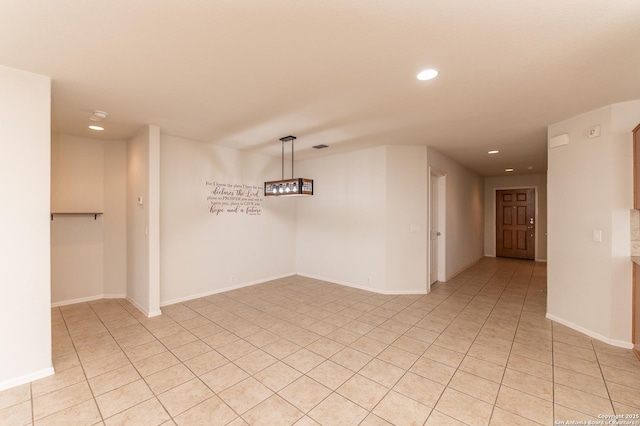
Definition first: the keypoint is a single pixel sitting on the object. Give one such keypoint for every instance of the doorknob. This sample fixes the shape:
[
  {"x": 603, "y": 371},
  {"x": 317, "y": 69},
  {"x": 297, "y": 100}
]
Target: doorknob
[{"x": 438, "y": 233}]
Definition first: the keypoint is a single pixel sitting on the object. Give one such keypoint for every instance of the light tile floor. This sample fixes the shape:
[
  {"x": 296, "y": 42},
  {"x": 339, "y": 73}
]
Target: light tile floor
[{"x": 476, "y": 350}]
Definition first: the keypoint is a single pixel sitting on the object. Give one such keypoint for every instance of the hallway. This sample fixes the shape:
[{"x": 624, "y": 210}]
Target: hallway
[{"x": 476, "y": 350}]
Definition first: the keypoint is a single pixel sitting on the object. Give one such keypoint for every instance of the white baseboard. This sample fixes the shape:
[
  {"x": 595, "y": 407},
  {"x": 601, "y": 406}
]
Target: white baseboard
[
  {"x": 87, "y": 299},
  {"x": 614, "y": 342},
  {"x": 11, "y": 383},
  {"x": 359, "y": 287},
  {"x": 222, "y": 290},
  {"x": 462, "y": 269},
  {"x": 537, "y": 260},
  {"x": 144, "y": 311}
]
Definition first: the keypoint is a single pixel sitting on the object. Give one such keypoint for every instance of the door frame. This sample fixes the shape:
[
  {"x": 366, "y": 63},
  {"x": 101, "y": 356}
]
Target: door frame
[
  {"x": 635, "y": 271},
  {"x": 535, "y": 213},
  {"x": 442, "y": 224}
]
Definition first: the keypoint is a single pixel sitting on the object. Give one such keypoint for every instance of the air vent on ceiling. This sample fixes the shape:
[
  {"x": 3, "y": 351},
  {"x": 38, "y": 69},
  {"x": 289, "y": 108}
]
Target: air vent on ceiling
[{"x": 321, "y": 146}]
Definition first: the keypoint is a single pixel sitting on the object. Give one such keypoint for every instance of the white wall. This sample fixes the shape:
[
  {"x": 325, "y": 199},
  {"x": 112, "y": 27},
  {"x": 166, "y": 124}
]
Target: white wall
[
  {"x": 114, "y": 220},
  {"x": 464, "y": 231},
  {"x": 357, "y": 228},
  {"x": 406, "y": 217},
  {"x": 25, "y": 165},
  {"x": 491, "y": 184},
  {"x": 204, "y": 252},
  {"x": 590, "y": 188},
  {"x": 143, "y": 182},
  {"x": 341, "y": 233},
  {"x": 77, "y": 174},
  {"x": 88, "y": 254},
  {"x": 153, "y": 229}
]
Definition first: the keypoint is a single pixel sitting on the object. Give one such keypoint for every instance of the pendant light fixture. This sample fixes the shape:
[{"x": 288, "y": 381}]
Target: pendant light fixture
[{"x": 293, "y": 186}]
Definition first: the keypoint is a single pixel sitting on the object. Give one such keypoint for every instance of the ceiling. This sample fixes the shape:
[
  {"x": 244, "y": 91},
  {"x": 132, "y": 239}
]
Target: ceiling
[{"x": 243, "y": 73}]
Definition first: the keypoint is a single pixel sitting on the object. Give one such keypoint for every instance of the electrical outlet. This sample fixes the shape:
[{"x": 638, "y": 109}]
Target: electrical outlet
[{"x": 233, "y": 279}]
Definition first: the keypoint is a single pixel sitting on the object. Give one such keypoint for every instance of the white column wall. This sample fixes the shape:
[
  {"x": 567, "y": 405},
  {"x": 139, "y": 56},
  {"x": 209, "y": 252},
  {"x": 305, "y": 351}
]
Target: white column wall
[
  {"x": 25, "y": 273},
  {"x": 589, "y": 189},
  {"x": 142, "y": 219},
  {"x": 406, "y": 217}
]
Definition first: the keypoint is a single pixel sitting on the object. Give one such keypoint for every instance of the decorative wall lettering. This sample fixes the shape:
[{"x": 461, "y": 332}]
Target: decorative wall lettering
[{"x": 228, "y": 198}]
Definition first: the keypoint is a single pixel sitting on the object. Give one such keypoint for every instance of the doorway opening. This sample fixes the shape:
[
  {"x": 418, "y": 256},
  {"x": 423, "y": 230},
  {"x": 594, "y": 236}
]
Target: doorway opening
[
  {"x": 515, "y": 223},
  {"x": 437, "y": 237}
]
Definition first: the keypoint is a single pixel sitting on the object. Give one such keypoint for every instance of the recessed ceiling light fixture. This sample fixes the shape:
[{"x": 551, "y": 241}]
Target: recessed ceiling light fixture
[
  {"x": 509, "y": 170},
  {"x": 427, "y": 74},
  {"x": 495, "y": 151},
  {"x": 97, "y": 116}
]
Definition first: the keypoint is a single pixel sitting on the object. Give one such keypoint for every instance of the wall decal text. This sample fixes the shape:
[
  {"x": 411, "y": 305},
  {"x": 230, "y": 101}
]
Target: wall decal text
[{"x": 228, "y": 198}]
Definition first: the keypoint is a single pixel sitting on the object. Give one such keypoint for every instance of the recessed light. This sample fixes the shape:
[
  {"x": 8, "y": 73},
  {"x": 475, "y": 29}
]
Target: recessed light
[
  {"x": 427, "y": 74},
  {"x": 96, "y": 128},
  {"x": 493, "y": 152},
  {"x": 508, "y": 170}
]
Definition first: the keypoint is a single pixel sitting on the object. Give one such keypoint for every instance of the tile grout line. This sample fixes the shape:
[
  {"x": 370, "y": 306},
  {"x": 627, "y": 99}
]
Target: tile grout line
[{"x": 473, "y": 341}]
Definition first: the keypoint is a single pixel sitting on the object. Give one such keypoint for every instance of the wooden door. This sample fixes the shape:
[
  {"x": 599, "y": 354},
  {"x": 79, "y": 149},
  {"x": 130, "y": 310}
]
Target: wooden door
[{"x": 515, "y": 223}]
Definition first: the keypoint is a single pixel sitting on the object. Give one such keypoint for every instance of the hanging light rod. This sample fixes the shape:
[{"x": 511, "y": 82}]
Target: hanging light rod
[{"x": 293, "y": 186}]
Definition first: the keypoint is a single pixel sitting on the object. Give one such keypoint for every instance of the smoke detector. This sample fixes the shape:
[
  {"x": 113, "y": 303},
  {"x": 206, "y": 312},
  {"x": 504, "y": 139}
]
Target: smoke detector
[{"x": 98, "y": 116}]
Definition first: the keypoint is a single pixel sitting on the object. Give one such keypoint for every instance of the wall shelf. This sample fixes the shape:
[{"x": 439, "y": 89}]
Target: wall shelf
[{"x": 94, "y": 214}]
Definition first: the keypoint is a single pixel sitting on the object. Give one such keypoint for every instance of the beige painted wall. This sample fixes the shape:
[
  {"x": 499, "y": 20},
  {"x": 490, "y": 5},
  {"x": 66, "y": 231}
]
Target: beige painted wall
[
  {"x": 406, "y": 219},
  {"x": 77, "y": 174},
  {"x": 464, "y": 225},
  {"x": 114, "y": 220},
  {"x": 367, "y": 226},
  {"x": 88, "y": 255},
  {"x": 203, "y": 252},
  {"x": 341, "y": 228}
]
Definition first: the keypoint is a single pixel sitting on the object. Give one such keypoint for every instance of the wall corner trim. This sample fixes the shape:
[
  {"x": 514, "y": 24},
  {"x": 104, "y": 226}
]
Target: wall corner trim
[{"x": 141, "y": 309}]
